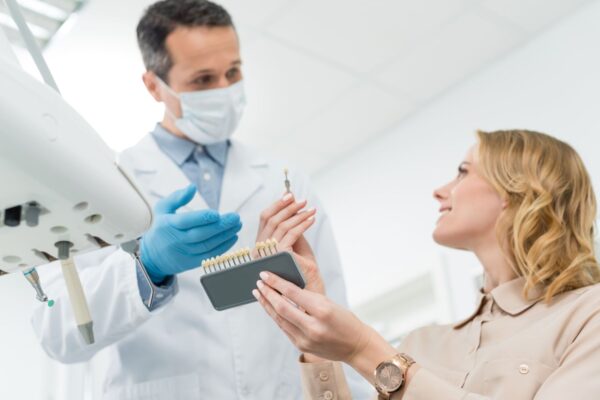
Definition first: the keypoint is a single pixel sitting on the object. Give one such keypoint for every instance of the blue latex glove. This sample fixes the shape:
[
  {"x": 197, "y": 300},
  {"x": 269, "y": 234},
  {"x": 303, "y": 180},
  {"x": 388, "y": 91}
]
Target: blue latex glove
[{"x": 178, "y": 242}]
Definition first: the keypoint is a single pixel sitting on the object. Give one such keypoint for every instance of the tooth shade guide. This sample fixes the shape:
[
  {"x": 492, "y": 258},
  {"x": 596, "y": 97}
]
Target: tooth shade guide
[
  {"x": 233, "y": 287},
  {"x": 247, "y": 257},
  {"x": 273, "y": 247},
  {"x": 240, "y": 257}
]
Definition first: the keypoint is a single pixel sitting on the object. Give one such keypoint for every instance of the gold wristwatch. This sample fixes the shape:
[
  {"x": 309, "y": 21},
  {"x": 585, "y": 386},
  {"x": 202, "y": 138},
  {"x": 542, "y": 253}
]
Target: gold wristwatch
[{"x": 390, "y": 375}]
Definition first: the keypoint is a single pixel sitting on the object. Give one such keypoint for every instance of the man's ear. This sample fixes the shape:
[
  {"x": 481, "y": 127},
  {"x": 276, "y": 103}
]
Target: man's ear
[{"x": 152, "y": 85}]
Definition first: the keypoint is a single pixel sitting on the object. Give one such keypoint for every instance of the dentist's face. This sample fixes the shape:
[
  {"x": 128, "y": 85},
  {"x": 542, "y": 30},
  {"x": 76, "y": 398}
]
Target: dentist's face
[
  {"x": 202, "y": 58},
  {"x": 469, "y": 208}
]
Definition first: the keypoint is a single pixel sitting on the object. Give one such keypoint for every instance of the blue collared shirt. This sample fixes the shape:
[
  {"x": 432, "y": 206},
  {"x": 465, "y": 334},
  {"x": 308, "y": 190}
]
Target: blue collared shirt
[{"x": 203, "y": 166}]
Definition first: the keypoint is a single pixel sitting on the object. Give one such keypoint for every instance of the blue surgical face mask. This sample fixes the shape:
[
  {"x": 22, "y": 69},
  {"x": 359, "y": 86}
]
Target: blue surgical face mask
[{"x": 210, "y": 116}]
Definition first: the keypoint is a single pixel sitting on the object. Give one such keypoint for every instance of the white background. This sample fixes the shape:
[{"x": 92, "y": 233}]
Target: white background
[{"x": 374, "y": 167}]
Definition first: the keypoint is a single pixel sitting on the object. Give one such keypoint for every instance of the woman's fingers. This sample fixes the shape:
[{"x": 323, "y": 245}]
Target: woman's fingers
[
  {"x": 283, "y": 307},
  {"x": 305, "y": 299},
  {"x": 266, "y": 305},
  {"x": 274, "y": 209},
  {"x": 284, "y": 214},
  {"x": 294, "y": 234},
  {"x": 292, "y": 332}
]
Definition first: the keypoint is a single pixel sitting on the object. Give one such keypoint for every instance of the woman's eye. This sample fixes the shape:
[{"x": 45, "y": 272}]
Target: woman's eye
[{"x": 461, "y": 172}]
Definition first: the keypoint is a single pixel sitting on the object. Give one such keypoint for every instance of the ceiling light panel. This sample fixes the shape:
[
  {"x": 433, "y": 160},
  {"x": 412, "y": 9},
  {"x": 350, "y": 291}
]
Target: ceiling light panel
[{"x": 44, "y": 18}]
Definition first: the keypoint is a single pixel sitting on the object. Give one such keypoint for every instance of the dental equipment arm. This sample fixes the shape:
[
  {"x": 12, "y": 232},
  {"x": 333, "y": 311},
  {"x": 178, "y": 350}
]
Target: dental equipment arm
[{"x": 62, "y": 191}]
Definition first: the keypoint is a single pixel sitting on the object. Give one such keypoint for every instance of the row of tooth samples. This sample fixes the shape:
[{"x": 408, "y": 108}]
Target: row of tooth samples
[
  {"x": 267, "y": 248},
  {"x": 263, "y": 249},
  {"x": 227, "y": 260}
]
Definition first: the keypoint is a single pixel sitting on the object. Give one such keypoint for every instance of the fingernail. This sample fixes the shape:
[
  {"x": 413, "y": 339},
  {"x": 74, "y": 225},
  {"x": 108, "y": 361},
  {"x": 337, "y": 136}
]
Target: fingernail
[
  {"x": 287, "y": 197},
  {"x": 264, "y": 276},
  {"x": 260, "y": 284},
  {"x": 301, "y": 201},
  {"x": 256, "y": 294},
  {"x": 311, "y": 218}
]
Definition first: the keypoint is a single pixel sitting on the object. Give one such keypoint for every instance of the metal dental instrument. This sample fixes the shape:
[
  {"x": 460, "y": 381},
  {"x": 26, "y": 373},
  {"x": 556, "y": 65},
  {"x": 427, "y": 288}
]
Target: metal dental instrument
[
  {"x": 32, "y": 276},
  {"x": 287, "y": 181}
]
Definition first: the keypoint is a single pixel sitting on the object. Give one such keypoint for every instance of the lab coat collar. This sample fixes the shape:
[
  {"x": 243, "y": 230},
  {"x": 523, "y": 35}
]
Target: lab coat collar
[
  {"x": 509, "y": 297},
  {"x": 240, "y": 181}
]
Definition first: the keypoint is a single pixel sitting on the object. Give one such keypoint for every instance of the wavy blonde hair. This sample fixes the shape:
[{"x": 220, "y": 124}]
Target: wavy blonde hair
[{"x": 548, "y": 224}]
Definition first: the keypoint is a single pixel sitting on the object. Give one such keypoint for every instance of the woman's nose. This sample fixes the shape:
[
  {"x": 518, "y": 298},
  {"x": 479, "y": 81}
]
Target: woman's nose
[{"x": 441, "y": 193}]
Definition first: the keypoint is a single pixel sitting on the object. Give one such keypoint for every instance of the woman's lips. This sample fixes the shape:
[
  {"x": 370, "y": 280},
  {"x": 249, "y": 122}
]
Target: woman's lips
[{"x": 444, "y": 211}]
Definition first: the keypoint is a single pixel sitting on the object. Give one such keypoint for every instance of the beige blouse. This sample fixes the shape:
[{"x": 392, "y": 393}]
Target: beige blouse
[{"x": 509, "y": 348}]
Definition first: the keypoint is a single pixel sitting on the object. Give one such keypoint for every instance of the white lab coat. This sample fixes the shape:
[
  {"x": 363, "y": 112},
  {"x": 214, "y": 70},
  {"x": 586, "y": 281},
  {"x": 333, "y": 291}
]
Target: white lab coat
[{"x": 184, "y": 350}]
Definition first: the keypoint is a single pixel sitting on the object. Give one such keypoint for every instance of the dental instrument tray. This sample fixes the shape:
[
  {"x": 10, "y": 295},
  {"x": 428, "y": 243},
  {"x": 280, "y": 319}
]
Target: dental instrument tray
[{"x": 229, "y": 279}]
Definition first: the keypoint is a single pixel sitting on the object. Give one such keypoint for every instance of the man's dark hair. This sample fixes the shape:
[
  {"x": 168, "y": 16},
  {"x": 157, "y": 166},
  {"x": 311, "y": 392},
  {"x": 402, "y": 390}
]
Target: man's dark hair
[{"x": 163, "y": 17}]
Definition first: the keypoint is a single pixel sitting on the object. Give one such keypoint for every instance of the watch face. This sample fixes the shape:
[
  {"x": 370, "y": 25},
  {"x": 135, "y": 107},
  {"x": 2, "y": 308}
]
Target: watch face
[{"x": 389, "y": 377}]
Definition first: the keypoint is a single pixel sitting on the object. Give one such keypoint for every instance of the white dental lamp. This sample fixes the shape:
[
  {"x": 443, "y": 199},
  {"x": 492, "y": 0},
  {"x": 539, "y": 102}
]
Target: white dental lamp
[{"x": 62, "y": 191}]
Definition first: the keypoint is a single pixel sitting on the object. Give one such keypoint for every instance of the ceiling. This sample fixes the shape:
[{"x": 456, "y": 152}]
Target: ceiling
[{"x": 324, "y": 77}]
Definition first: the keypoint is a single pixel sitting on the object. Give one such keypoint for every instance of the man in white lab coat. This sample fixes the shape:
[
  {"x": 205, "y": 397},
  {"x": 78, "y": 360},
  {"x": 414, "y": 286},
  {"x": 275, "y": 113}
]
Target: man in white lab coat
[{"x": 156, "y": 333}]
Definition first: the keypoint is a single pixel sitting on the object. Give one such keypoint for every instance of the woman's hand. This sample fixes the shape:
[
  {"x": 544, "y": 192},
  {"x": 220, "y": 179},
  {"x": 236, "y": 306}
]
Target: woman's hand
[
  {"x": 317, "y": 326},
  {"x": 313, "y": 323},
  {"x": 286, "y": 222}
]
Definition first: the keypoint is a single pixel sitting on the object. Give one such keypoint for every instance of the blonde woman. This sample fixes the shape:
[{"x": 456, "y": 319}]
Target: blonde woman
[{"x": 523, "y": 203}]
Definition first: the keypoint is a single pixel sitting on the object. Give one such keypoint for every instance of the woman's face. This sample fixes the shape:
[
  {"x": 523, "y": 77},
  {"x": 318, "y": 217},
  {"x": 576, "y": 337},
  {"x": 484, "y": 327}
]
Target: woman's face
[{"x": 469, "y": 208}]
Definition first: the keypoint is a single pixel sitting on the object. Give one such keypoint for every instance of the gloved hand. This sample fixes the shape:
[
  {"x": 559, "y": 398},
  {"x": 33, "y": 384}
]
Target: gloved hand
[{"x": 178, "y": 242}]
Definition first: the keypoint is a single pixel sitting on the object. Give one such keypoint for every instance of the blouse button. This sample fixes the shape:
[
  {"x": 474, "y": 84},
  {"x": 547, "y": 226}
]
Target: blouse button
[
  {"x": 328, "y": 395},
  {"x": 523, "y": 368},
  {"x": 323, "y": 376}
]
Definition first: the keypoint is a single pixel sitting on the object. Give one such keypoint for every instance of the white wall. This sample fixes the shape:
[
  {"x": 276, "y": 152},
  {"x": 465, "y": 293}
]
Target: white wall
[{"x": 380, "y": 197}]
